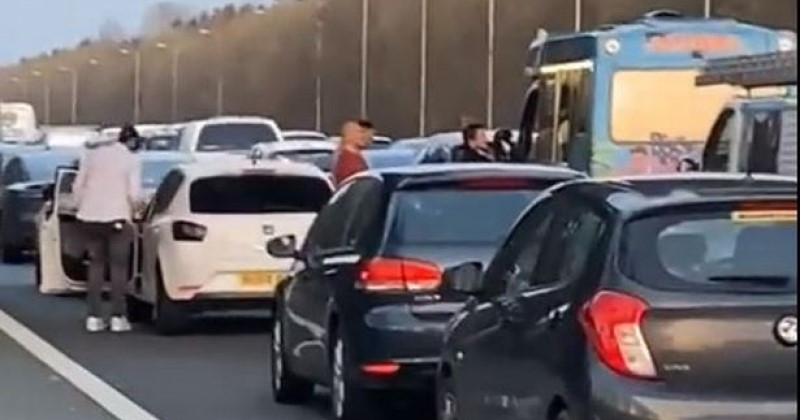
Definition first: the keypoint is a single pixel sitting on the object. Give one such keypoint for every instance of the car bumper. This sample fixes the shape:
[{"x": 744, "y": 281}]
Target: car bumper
[
  {"x": 615, "y": 398},
  {"x": 394, "y": 335}
]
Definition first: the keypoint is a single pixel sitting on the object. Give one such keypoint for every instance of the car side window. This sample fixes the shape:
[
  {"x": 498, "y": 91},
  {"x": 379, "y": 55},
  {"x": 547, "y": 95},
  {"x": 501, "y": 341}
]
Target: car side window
[
  {"x": 327, "y": 231},
  {"x": 518, "y": 258},
  {"x": 718, "y": 148},
  {"x": 570, "y": 246},
  {"x": 361, "y": 206}
]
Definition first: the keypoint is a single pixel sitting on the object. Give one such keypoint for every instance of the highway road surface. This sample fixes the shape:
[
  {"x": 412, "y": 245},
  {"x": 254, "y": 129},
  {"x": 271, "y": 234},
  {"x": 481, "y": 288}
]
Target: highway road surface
[{"x": 52, "y": 369}]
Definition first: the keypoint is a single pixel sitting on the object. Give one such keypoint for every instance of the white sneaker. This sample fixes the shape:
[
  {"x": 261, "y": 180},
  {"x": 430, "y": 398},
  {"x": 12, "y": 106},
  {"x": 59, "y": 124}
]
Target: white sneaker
[
  {"x": 120, "y": 324},
  {"x": 95, "y": 324}
]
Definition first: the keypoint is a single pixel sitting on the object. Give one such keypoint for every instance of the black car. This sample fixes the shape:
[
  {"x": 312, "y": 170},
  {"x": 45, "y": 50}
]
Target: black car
[
  {"x": 364, "y": 310},
  {"x": 23, "y": 181},
  {"x": 669, "y": 297}
]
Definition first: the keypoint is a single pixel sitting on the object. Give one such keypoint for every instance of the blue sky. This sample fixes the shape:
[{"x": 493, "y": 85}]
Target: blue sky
[{"x": 29, "y": 27}]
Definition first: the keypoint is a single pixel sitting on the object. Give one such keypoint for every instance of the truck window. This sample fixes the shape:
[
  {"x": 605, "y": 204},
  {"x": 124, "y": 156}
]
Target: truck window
[
  {"x": 765, "y": 139},
  {"x": 718, "y": 146}
]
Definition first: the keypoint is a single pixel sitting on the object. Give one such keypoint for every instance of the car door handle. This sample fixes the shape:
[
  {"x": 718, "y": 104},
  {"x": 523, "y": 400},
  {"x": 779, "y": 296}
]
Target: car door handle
[
  {"x": 556, "y": 315},
  {"x": 511, "y": 311}
]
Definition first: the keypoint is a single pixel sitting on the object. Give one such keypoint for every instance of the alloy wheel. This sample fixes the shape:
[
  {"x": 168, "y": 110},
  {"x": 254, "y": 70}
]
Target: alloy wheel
[{"x": 338, "y": 387}]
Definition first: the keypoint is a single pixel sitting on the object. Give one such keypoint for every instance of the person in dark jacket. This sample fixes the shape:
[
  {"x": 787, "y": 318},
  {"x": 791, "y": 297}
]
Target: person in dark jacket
[
  {"x": 476, "y": 146},
  {"x": 502, "y": 144}
]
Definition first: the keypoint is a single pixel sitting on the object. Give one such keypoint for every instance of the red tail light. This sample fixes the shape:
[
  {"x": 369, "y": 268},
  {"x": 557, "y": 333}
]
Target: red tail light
[
  {"x": 393, "y": 275},
  {"x": 613, "y": 322},
  {"x": 188, "y": 231}
]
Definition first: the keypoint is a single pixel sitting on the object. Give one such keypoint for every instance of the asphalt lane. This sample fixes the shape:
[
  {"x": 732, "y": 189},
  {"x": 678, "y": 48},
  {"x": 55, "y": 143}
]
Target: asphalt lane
[
  {"x": 218, "y": 372},
  {"x": 32, "y": 391}
]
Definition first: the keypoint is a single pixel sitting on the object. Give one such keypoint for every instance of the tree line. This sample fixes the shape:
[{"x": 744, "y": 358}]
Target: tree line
[{"x": 267, "y": 61}]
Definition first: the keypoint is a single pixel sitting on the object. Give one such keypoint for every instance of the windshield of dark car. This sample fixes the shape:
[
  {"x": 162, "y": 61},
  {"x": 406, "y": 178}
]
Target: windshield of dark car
[
  {"x": 456, "y": 216},
  {"x": 714, "y": 249},
  {"x": 234, "y": 136}
]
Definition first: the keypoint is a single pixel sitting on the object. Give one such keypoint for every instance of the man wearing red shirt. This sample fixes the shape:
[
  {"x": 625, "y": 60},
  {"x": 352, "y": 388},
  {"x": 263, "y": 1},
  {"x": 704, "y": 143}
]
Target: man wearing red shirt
[{"x": 356, "y": 136}]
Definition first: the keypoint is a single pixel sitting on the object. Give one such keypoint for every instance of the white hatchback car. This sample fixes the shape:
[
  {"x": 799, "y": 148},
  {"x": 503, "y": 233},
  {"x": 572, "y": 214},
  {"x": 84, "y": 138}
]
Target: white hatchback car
[{"x": 203, "y": 236}]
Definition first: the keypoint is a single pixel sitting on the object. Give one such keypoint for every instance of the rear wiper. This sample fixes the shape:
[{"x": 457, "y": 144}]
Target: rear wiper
[{"x": 778, "y": 280}]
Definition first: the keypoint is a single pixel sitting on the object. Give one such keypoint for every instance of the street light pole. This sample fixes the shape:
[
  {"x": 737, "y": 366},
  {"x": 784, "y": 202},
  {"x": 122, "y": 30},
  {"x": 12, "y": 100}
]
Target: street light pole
[
  {"x": 423, "y": 67},
  {"x": 364, "y": 55},
  {"x": 578, "y": 15},
  {"x": 707, "y": 9},
  {"x": 45, "y": 94},
  {"x": 318, "y": 76},
  {"x": 137, "y": 85},
  {"x": 490, "y": 63},
  {"x": 74, "y": 93},
  {"x": 176, "y": 60},
  {"x": 220, "y": 78}
]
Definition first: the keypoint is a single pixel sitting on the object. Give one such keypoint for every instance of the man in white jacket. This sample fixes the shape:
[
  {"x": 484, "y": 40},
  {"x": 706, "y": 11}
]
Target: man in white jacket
[{"x": 107, "y": 188}]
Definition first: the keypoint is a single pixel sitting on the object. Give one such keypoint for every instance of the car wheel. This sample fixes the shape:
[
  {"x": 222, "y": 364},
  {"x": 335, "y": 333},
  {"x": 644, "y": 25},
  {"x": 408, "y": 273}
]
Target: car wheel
[
  {"x": 446, "y": 401},
  {"x": 169, "y": 317},
  {"x": 138, "y": 311},
  {"x": 348, "y": 400},
  {"x": 286, "y": 387}
]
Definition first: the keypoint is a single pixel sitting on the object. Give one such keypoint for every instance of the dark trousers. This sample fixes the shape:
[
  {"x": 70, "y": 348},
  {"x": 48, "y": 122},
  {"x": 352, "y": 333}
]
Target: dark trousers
[{"x": 109, "y": 246}]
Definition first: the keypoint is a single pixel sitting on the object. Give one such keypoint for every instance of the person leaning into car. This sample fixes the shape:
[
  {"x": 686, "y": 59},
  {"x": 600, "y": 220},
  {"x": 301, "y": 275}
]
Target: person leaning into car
[{"x": 107, "y": 192}]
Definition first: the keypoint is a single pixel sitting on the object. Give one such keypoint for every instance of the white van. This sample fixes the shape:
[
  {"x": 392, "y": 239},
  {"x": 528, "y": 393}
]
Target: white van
[{"x": 18, "y": 123}]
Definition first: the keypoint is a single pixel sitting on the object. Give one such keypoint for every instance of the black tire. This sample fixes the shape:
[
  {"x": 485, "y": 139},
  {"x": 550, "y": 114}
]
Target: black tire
[
  {"x": 169, "y": 317},
  {"x": 351, "y": 401},
  {"x": 446, "y": 403},
  {"x": 138, "y": 311},
  {"x": 287, "y": 388}
]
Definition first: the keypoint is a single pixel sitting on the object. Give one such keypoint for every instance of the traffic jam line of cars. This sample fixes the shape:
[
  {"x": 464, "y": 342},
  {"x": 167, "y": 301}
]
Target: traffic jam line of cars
[{"x": 497, "y": 291}]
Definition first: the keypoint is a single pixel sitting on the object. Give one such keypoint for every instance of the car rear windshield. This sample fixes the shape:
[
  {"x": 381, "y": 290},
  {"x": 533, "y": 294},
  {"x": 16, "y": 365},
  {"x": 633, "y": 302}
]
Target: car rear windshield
[
  {"x": 254, "y": 194},
  {"x": 234, "y": 136},
  {"x": 456, "y": 216},
  {"x": 720, "y": 249}
]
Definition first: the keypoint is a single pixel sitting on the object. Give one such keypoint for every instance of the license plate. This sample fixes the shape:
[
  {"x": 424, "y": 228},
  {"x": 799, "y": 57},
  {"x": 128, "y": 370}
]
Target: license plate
[{"x": 259, "y": 279}]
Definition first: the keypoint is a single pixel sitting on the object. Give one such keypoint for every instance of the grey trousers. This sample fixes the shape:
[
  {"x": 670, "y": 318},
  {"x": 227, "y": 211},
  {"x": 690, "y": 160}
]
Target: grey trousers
[{"x": 109, "y": 252}]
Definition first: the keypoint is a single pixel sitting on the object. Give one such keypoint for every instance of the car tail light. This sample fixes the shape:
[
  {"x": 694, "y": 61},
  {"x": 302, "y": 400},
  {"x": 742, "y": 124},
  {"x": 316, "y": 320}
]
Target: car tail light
[
  {"x": 381, "y": 369},
  {"x": 613, "y": 325},
  {"x": 188, "y": 231},
  {"x": 391, "y": 275}
]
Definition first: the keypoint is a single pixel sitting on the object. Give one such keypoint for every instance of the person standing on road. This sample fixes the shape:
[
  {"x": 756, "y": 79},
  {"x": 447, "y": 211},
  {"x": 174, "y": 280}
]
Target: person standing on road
[
  {"x": 356, "y": 136},
  {"x": 107, "y": 192},
  {"x": 476, "y": 146}
]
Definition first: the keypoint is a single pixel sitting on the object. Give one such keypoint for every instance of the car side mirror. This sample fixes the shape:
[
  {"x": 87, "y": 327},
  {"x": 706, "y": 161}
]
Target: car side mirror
[
  {"x": 283, "y": 247},
  {"x": 466, "y": 278}
]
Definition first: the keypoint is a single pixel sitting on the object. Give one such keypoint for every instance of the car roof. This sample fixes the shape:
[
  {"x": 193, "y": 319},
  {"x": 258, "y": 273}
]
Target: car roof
[
  {"x": 634, "y": 194},
  {"x": 461, "y": 170},
  {"x": 234, "y": 165},
  {"x": 304, "y": 133},
  {"x": 228, "y": 119},
  {"x": 295, "y": 145}
]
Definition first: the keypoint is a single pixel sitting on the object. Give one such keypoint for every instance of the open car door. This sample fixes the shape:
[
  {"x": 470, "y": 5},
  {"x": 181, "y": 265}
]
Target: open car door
[{"x": 70, "y": 255}]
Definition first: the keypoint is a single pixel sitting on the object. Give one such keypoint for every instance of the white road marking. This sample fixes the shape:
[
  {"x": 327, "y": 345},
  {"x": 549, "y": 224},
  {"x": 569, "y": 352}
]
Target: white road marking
[{"x": 103, "y": 394}]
